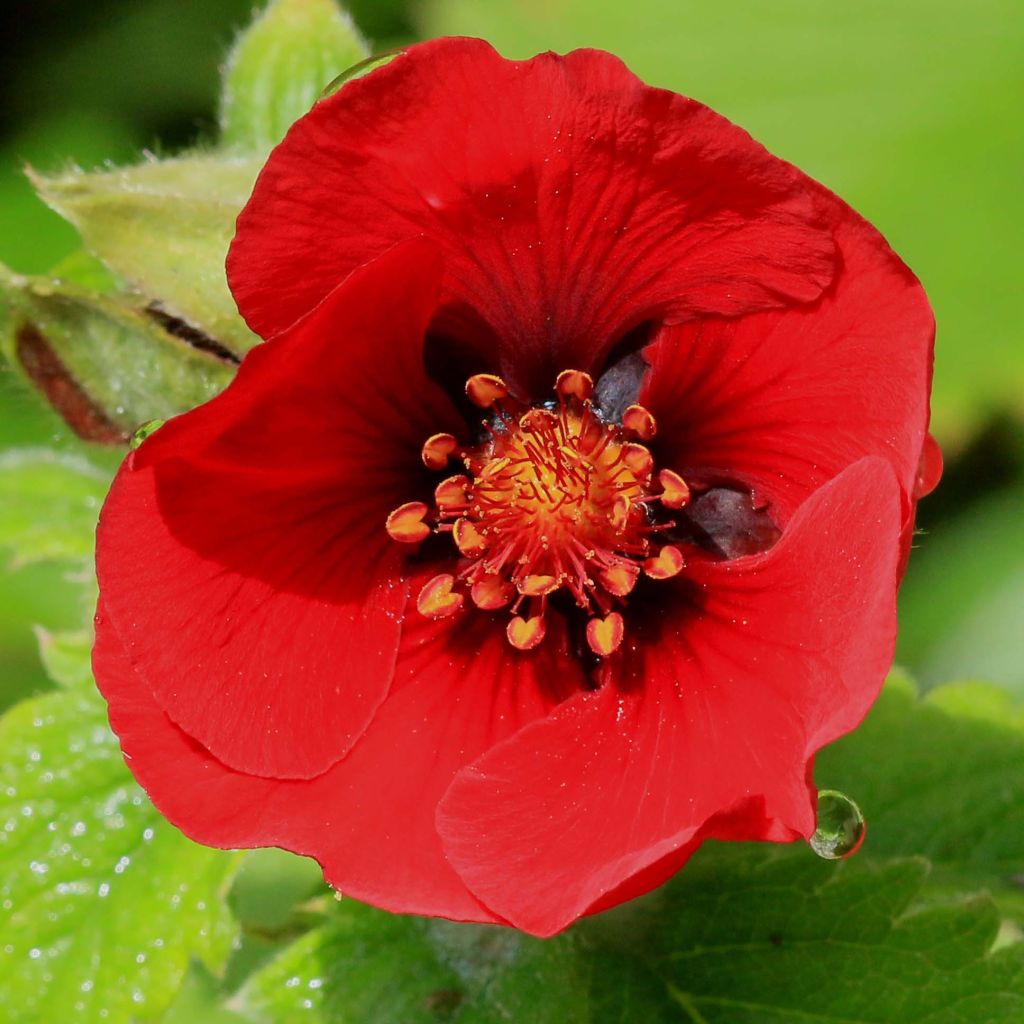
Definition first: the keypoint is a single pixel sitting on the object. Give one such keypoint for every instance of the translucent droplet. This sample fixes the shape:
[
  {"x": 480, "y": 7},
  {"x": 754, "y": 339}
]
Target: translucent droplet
[
  {"x": 364, "y": 67},
  {"x": 147, "y": 429},
  {"x": 841, "y": 826}
]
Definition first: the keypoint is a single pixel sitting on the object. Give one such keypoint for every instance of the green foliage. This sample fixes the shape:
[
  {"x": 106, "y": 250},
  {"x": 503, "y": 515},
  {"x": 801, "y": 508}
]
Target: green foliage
[
  {"x": 743, "y": 935},
  {"x": 279, "y": 67},
  {"x": 65, "y": 656},
  {"x": 103, "y": 902},
  {"x": 908, "y": 110},
  {"x": 961, "y": 601},
  {"x": 106, "y": 365},
  {"x": 48, "y": 505},
  {"x": 164, "y": 227},
  {"x": 942, "y": 777}
]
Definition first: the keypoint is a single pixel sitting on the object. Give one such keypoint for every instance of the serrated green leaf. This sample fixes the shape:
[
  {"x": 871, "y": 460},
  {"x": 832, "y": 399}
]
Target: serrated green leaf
[
  {"x": 103, "y": 902},
  {"x": 104, "y": 364},
  {"x": 48, "y": 505},
  {"x": 943, "y": 777},
  {"x": 745, "y": 934},
  {"x": 279, "y": 67},
  {"x": 367, "y": 966},
  {"x": 164, "y": 227},
  {"x": 906, "y": 124}
]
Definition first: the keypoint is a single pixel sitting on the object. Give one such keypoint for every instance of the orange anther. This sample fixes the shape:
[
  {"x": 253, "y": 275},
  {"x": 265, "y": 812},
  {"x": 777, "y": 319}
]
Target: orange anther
[
  {"x": 406, "y": 523},
  {"x": 437, "y": 599},
  {"x": 638, "y": 460},
  {"x": 492, "y": 592},
  {"x": 575, "y": 383},
  {"x": 619, "y": 579},
  {"x": 525, "y": 634},
  {"x": 537, "y": 586},
  {"x": 620, "y": 512},
  {"x": 605, "y": 635},
  {"x": 436, "y": 450},
  {"x": 536, "y": 420},
  {"x": 665, "y": 564},
  {"x": 640, "y": 421},
  {"x": 468, "y": 539},
  {"x": 484, "y": 389},
  {"x": 452, "y": 493},
  {"x": 674, "y": 490}
]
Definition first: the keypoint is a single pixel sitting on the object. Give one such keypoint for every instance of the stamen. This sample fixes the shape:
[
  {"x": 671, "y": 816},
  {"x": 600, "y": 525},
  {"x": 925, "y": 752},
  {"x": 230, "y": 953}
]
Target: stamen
[
  {"x": 484, "y": 389},
  {"x": 640, "y": 421},
  {"x": 436, "y": 450},
  {"x": 537, "y": 586},
  {"x": 452, "y": 493},
  {"x": 674, "y": 490},
  {"x": 619, "y": 580},
  {"x": 406, "y": 524},
  {"x": 525, "y": 634},
  {"x": 667, "y": 563},
  {"x": 437, "y": 599},
  {"x": 468, "y": 538},
  {"x": 638, "y": 460},
  {"x": 575, "y": 383},
  {"x": 552, "y": 498},
  {"x": 492, "y": 592},
  {"x": 605, "y": 635}
]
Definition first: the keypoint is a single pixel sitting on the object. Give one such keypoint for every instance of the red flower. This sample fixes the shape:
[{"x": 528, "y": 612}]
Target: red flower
[{"x": 517, "y": 672}]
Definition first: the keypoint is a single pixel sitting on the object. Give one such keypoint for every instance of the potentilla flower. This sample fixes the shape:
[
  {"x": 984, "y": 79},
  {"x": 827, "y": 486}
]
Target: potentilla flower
[{"x": 561, "y": 520}]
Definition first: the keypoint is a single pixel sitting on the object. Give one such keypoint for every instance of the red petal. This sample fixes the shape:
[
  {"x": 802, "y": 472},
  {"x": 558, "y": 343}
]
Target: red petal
[
  {"x": 784, "y": 400},
  {"x": 242, "y": 552},
  {"x": 572, "y": 202},
  {"x": 369, "y": 820},
  {"x": 718, "y": 708}
]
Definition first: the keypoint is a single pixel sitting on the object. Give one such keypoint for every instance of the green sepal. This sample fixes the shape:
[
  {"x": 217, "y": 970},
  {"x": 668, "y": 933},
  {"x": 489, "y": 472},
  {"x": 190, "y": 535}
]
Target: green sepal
[
  {"x": 104, "y": 362},
  {"x": 279, "y": 67},
  {"x": 164, "y": 228}
]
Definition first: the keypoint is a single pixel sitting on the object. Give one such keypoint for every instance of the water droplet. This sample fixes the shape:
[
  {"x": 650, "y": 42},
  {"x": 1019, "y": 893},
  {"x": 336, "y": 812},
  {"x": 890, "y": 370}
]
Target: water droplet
[
  {"x": 841, "y": 826},
  {"x": 147, "y": 429}
]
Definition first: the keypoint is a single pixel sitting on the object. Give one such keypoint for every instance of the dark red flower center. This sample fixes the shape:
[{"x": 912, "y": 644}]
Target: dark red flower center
[{"x": 554, "y": 498}]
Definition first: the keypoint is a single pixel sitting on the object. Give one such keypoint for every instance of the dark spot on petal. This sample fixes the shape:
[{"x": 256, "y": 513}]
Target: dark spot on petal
[
  {"x": 725, "y": 522},
  {"x": 618, "y": 386}
]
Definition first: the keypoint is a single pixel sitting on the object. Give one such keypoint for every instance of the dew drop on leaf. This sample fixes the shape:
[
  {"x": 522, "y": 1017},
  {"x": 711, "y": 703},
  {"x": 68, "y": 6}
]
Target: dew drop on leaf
[{"x": 841, "y": 826}]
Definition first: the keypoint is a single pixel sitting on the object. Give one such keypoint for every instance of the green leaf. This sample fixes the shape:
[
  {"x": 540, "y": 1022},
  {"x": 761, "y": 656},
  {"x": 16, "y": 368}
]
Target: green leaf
[
  {"x": 104, "y": 364},
  {"x": 103, "y": 903},
  {"x": 942, "y": 777},
  {"x": 744, "y": 934},
  {"x": 66, "y": 656},
  {"x": 164, "y": 227},
  {"x": 907, "y": 124},
  {"x": 366, "y": 966},
  {"x": 48, "y": 505},
  {"x": 960, "y": 602},
  {"x": 279, "y": 67}
]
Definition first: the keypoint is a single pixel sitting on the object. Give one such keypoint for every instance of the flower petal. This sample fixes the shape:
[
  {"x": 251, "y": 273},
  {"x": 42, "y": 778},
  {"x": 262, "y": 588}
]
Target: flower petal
[
  {"x": 784, "y": 400},
  {"x": 242, "y": 553},
  {"x": 718, "y": 706},
  {"x": 368, "y": 820},
  {"x": 572, "y": 202}
]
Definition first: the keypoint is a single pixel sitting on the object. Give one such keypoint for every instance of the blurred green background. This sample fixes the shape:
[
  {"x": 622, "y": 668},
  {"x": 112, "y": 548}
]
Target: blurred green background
[{"x": 908, "y": 110}]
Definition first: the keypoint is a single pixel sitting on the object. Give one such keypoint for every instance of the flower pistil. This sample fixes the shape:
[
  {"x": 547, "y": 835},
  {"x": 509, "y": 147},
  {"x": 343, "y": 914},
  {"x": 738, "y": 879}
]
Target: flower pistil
[{"x": 554, "y": 498}]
